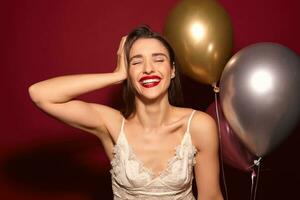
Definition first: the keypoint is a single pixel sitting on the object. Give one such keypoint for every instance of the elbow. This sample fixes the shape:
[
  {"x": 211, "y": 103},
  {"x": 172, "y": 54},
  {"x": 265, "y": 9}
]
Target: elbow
[
  {"x": 31, "y": 92},
  {"x": 34, "y": 94}
]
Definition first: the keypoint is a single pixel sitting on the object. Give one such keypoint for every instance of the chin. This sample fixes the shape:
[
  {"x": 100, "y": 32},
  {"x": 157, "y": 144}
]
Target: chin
[{"x": 152, "y": 98}]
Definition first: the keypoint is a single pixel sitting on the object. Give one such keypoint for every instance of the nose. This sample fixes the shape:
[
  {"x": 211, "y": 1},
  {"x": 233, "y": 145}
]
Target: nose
[{"x": 148, "y": 67}]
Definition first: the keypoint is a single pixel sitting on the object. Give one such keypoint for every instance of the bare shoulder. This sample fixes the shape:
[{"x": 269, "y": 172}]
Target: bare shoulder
[
  {"x": 202, "y": 120},
  {"x": 203, "y": 130},
  {"x": 182, "y": 112}
]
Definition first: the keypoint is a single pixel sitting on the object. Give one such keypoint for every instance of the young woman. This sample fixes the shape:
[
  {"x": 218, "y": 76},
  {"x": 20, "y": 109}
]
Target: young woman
[{"x": 155, "y": 147}]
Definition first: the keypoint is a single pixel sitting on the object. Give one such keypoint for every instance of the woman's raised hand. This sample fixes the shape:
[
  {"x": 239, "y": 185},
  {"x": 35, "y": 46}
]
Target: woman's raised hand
[
  {"x": 57, "y": 97},
  {"x": 122, "y": 63}
]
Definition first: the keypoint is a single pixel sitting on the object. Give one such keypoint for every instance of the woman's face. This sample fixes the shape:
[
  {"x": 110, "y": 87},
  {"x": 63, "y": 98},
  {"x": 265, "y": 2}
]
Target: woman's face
[{"x": 150, "y": 71}]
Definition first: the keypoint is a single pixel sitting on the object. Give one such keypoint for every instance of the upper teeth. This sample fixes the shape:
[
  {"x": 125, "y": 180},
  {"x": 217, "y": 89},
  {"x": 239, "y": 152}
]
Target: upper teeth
[{"x": 150, "y": 80}]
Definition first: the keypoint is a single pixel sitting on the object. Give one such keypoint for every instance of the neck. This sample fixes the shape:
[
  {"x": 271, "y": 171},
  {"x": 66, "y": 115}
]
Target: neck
[{"x": 153, "y": 114}]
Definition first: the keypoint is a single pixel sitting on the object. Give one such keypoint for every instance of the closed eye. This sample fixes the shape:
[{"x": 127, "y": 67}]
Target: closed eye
[
  {"x": 159, "y": 58},
  {"x": 135, "y": 63},
  {"x": 136, "y": 59}
]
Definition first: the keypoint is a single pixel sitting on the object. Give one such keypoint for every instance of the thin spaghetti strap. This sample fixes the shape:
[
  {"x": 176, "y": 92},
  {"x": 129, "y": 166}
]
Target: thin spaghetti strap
[
  {"x": 190, "y": 118},
  {"x": 121, "y": 132},
  {"x": 122, "y": 125}
]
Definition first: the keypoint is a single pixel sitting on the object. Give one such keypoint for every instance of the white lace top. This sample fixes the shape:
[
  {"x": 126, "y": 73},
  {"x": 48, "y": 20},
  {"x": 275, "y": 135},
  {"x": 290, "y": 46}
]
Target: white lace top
[{"x": 132, "y": 180}]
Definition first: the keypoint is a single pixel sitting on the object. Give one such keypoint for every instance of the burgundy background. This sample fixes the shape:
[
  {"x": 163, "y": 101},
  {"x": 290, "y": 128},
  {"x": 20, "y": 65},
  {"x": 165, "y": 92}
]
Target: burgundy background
[{"x": 41, "y": 158}]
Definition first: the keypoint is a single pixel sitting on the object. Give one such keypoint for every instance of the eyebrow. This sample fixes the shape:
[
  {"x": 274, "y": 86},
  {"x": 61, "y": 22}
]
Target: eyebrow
[
  {"x": 159, "y": 54},
  {"x": 153, "y": 55}
]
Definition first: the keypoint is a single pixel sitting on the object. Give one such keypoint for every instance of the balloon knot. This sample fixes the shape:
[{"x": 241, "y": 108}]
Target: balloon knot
[
  {"x": 215, "y": 87},
  {"x": 257, "y": 162}
]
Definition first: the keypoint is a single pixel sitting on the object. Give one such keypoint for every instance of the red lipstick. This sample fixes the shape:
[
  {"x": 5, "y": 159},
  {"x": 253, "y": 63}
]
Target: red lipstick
[
  {"x": 149, "y": 77},
  {"x": 150, "y": 81}
]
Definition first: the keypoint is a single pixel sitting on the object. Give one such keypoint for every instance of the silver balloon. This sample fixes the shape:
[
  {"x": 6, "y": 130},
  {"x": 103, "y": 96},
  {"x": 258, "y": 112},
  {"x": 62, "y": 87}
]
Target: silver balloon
[{"x": 260, "y": 96}]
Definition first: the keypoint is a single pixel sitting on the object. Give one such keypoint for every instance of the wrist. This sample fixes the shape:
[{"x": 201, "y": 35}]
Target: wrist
[{"x": 120, "y": 76}]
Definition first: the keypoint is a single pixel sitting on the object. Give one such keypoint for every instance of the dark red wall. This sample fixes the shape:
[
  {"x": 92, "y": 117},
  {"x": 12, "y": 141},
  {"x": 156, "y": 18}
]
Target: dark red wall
[{"x": 40, "y": 158}]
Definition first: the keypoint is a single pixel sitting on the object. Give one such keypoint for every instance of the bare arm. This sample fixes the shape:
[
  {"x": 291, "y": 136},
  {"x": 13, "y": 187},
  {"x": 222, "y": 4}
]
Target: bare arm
[
  {"x": 56, "y": 96},
  {"x": 64, "y": 88},
  {"x": 205, "y": 138}
]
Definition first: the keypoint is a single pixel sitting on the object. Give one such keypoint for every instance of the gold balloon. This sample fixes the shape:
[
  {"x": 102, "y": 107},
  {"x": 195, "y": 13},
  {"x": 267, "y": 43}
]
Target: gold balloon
[{"x": 200, "y": 32}]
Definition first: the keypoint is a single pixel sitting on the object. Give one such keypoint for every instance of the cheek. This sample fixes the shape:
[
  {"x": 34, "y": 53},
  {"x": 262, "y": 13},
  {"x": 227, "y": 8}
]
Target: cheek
[
  {"x": 133, "y": 76},
  {"x": 168, "y": 71}
]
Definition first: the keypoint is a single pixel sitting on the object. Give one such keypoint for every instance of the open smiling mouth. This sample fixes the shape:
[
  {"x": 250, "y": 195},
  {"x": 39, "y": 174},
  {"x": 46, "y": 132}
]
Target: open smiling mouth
[{"x": 150, "y": 81}]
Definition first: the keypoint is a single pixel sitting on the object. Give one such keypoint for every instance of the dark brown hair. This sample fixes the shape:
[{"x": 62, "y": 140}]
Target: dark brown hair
[{"x": 174, "y": 91}]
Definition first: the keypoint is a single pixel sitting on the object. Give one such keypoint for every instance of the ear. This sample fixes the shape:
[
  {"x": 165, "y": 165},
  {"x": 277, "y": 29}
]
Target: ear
[
  {"x": 173, "y": 75},
  {"x": 173, "y": 71}
]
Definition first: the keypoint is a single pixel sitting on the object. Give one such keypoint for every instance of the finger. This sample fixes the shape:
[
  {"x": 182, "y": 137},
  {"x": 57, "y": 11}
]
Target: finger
[{"x": 121, "y": 46}]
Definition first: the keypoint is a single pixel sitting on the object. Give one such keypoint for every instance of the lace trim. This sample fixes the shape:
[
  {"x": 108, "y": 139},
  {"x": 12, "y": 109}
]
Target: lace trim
[
  {"x": 161, "y": 174},
  {"x": 116, "y": 159},
  {"x": 195, "y": 151}
]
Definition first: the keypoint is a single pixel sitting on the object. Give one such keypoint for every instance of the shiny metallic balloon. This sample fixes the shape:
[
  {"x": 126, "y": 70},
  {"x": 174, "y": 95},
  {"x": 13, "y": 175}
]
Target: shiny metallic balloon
[
  {"x": 200, "y": 32},
  {"x": 234, "y": 152},
  {"x": 260, "y": 95}
]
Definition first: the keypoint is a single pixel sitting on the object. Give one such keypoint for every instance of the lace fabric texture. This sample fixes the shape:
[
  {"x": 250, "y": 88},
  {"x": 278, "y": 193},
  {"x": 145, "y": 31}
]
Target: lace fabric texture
[{"x": 132, "y": 180}]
